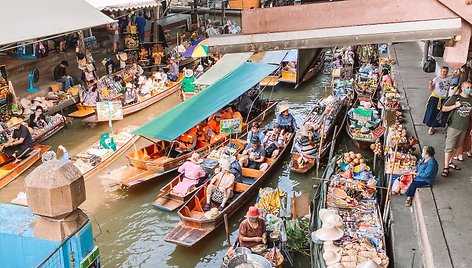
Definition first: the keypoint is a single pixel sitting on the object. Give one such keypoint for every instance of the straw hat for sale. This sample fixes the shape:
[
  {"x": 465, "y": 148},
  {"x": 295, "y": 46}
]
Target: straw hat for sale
[
  {"x": 331, "y": 257},
  {"x": 329, "y": 232},
  {"x": 25, "y": 103},
  {"x": 188, "y": 73},
  {"x": 283, "y": 108},
  {"x": 336, "y": 265},
  {"x": 331, "y": 216},
  {"x": 196, "y": 158},
  {"x": 368, "y": 264}
]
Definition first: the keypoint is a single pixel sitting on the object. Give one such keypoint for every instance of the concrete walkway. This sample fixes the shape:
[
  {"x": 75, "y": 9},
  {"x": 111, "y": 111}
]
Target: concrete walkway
[{"x": 441, "y": 218}]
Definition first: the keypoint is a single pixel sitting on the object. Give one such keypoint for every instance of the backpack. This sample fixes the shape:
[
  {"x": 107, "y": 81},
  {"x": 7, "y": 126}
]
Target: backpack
[
  {"x": 444, "y": 118},
  {"x": 429, "y": 65}
]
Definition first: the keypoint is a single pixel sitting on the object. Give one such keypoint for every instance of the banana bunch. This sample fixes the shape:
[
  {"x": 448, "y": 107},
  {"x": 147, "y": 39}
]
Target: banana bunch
[{"x": 270, "y": 201}]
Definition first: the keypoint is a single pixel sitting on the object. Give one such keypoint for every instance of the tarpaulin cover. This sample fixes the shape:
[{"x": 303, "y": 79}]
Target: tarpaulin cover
[
  {"x": 122, "y": 4},
  {"x": 224, "y": 66},
  {"x": 189, "y": 113},
  {"x": 292, "y": 55},
  {"x": 274, "y": 57},
  {"x": 21, "y": 21}
]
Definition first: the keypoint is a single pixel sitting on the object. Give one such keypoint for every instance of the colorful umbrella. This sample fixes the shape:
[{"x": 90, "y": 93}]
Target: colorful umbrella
[{"x": 199, "y": 50}]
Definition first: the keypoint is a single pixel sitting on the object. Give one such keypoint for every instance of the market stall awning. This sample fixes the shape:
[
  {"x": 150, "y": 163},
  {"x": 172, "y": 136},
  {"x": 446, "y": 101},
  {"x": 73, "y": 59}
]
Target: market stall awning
[
  {"x": 224, "y": 66},
  {"x": 37, "y": 19},
  {"x": 189, "y": 113},
  {"x": 114, "y": 5},
  {"x": 292, "y": 55},
  {"x": 273, "y": 57}
]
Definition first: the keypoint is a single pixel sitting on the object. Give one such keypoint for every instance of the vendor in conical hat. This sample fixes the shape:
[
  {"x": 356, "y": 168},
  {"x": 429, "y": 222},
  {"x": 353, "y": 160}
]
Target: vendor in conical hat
[
  {"x": 252, "y": 230},
  {"x": 187, "y": 83},
  {"x": 285, "y": 120}
]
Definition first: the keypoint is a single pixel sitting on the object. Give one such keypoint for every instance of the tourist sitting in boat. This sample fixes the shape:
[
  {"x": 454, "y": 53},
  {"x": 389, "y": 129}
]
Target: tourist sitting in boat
[
  {"x": 51, "y": 155},
  {"x": 203, "y": 134},
  {"x": 426, "y": 171},
  {"x": 136, "y": 70},
  {"x": 199, "y": 71},
  {"x": 291, "y": 67},
  {"x": 186, "y": 142},
  {"x": 37, "y": 119},
  {"x": 131, "y": 96},
  {"x": 173, "y": 73},
  {"x": 272, "y": 142},
  {"x": 254, "y": 155},
  {"x": 231, "y": 113},
  {"x": 306, "y": 143},
  {"x": 255, "y": 132},
  {"x": 235, "y": 166},
  {"x": 214, "y": 123},
  {"x": 187, "y": 83},
  {"x": 192, "y": 175},
  {"x": 20, "y": 144},
  {"x": 221, "y": 187},
  {"x": 157, "y": 81},
  {"x": 146, "y": 86},
  {"x": 164, "y": 77},
  {"x": 252, "y": 230},
  {"x": 285, "y": 120},
  {"x": 90, "y": 96}
]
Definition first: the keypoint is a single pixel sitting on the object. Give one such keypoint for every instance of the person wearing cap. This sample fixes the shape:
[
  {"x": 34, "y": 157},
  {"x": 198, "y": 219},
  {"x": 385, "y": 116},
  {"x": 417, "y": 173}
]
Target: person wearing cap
[
  {"x": 272, "y": 142},
  {"x": 252, "y": 230},
  {"x": 187, "y": 83},
  {"x": 221, "y": 184},
  {"x": 109, "y": 65},
  {"x": 60, "y": 75},
  {"x": 255, "y": 132},
  {"x": 20, "y": 143},
  {"x": 285, "y": 120},
  {"x": 173, "y": 73},
  {"x": 199, "y": 71},
  {"x": 131, "y": 95},
  {"x": 253, "y": 157}
]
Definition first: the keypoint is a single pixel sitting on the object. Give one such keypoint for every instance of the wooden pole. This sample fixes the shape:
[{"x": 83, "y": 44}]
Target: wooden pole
[
  {"x": 319, "y": 150},
  {"x": 392, "y": 170},
  {"x": 225, "y": 217},
  {"x": 333, "y": 142}
]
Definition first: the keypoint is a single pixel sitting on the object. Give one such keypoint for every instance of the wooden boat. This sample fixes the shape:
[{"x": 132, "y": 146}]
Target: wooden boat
[
  {"x": 154, "y": 160},
  {"x": 50, "y": 132},
  {"x": 193, "y": 226},
  {"x": 90, "y": 163},
  {"x": 135, "y": 107},
  {"x": 11, "y": 171},
  {"x": 316, "y": 67},
  {"x": 327, "y": 121},
  {"x": 288, "y": 77},
  {"x": 167, "y": 200},
  {"x": 271, "y": 80},
  {"x": 363, "y": 140}
]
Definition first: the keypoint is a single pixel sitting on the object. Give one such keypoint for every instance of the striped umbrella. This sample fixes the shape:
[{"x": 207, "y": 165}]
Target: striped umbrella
[{"x": 199, "y": 50}]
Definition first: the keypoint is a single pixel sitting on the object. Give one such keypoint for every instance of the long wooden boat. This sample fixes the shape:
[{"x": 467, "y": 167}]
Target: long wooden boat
[
  {"x": 53, "y": 130},
  {"x": 154, "y": 160},
  {"x": 167, "y": 200},
  {"x": 327, "y": 117},
  {"x": 363, "y": 140},
  {"x": 10, "y": 171},
  {"x": 135, "y": 107},
  {"x": 193, "y": 225},
  {"x": 316, "y": 67},
  {"x": 93, "y": 159}
]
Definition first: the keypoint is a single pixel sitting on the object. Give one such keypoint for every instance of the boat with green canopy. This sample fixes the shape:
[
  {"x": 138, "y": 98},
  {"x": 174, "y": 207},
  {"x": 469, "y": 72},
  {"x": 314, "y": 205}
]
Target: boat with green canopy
[{"x": 159, "y": 158}]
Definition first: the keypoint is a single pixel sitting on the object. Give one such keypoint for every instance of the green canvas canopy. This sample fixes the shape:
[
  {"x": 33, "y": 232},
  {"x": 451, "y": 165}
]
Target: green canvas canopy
[{"x": 189, "y": 113}]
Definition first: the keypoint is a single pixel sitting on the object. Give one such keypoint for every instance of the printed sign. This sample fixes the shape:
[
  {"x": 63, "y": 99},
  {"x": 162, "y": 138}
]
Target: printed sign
[
  {"x": 231, "y": 126},
  {"x": 107, "y": 110},
  {"x": 92, "y": 260}
]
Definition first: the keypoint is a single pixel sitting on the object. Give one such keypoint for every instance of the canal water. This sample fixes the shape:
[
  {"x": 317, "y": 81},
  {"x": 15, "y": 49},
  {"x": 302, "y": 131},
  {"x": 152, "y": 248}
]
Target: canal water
[{"x": 130, "y": 232}]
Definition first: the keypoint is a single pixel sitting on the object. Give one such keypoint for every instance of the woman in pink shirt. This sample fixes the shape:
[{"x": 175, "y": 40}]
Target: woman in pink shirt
[{"x": 192, "y": 172}]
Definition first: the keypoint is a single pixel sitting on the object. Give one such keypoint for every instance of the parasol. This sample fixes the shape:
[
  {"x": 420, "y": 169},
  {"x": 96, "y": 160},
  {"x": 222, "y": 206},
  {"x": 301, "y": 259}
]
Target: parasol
[{"x": 199, "y": 50}]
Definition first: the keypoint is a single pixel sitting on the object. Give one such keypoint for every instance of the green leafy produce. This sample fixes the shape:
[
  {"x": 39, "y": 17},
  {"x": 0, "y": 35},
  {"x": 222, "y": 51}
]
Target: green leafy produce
[{"x": 298, "y": 235}]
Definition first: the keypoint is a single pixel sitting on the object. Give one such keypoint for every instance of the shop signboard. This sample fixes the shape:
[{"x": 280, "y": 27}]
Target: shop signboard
[
  {"x": 92, "y": 260},
  {"x": 109, "y": 110},
  {"x": 231, "y": 126}
]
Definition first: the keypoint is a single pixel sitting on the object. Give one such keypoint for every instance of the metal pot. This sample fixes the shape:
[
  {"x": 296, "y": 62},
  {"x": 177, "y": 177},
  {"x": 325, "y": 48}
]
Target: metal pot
[
  {"x": 242, "y": 250},
  {"x": 258, "y": 261}
]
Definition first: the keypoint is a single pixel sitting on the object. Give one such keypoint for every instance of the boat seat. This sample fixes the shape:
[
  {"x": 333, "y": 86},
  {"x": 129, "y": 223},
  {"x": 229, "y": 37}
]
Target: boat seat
[{"x": 248, "y": 180}]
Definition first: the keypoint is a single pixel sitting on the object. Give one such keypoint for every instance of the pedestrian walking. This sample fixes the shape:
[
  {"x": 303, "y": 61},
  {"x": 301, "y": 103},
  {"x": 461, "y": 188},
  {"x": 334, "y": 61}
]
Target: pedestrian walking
[
  {"x": 439, "y": 87},
  {"x": 459, "y": 106},
  {"x": 466, "y": 146}
]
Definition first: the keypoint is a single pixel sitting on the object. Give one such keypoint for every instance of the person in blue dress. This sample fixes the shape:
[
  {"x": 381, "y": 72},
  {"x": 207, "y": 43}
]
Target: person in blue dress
[
  {"x": 285, "y": 120},
  {"x": 426, "y": 171}
]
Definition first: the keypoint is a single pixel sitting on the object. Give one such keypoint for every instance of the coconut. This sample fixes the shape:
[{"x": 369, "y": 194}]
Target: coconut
[
  {"x": 359, "y": 156},
  {"x": 361, "y": 161},
  {"x": 372, "y": 146}
]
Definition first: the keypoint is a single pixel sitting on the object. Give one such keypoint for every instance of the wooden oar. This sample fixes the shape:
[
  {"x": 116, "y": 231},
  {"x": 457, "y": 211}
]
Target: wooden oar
[
  {"x": 392, "y": 170},
  {"x": 225, "y": 218}
]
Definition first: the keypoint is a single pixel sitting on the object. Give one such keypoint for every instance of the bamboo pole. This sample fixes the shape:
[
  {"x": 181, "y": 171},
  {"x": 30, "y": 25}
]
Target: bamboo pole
[
  {"x": 392, "y": 170},
  {"x": 319, "y": 150},
  {"x": 225, "y": 218}
]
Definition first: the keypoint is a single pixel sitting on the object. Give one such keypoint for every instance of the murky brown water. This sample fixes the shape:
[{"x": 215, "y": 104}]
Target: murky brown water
[{"x": 130, "y": 232}]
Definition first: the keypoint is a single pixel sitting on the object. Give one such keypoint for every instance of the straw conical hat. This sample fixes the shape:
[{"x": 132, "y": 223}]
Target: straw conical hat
[
  {"x": 283, "y": 107},
  {"x": 332, "y": 218},
  {"x": 331, "y": 257},
  {"x": 329, "y": 232},
  {"x": 336, "y": 265},
  {"x": 368, "y": 264}
]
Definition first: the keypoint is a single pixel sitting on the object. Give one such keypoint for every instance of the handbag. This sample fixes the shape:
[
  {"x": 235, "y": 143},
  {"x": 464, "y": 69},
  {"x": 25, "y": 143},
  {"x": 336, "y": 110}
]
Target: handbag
[
  {"x": 444, "y": 118},
  {"x": 218, "y": 195},
  {"x": 429, "y": 65}
]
